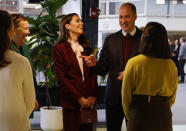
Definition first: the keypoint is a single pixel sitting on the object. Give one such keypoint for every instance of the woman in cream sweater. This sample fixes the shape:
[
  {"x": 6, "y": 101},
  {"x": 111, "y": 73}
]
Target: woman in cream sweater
[{"x": 17, "y": 94}]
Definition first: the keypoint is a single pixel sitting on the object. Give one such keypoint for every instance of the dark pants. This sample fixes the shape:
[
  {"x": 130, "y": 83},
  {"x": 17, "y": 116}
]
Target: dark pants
[
  {"x": 114, "y": 117},
  {"x": 182, "y": 64},
  {"x": 155, "y": 115},
  {"x": 175, "y": 59},
  {"x": 70, "y": 122}
]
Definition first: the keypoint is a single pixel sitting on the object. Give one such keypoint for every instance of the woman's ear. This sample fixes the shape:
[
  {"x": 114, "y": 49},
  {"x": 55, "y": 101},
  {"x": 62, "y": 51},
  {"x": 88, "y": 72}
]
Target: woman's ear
[{"x": 67, "y": 26}]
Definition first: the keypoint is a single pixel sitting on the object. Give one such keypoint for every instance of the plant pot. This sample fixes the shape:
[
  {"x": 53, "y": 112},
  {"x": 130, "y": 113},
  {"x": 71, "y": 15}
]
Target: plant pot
[{"x": 51, "y": 119}]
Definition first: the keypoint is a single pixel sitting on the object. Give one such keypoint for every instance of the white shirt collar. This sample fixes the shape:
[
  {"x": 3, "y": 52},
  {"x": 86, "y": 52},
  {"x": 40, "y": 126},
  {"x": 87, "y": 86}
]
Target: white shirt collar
[{"x": 132, "y": 33}]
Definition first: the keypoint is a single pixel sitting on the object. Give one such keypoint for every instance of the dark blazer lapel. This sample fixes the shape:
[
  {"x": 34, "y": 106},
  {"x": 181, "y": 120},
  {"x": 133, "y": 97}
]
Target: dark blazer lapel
[
  {"x": 84, "y": 65},
  {"x": 72, "y": 56},
  {"x": 120, "y": 44},
  {"x": 136, "y": 42},
  {"x": 84, "y": 68}
]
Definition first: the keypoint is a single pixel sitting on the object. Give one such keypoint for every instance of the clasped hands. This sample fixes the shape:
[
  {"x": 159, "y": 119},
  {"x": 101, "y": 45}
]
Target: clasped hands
[{"x": 87, "y": 102}]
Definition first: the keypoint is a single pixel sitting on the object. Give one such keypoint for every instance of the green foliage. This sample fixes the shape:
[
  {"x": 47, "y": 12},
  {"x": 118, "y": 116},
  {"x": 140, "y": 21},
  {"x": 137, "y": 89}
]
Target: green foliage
[{"x": 44, "y": 31}]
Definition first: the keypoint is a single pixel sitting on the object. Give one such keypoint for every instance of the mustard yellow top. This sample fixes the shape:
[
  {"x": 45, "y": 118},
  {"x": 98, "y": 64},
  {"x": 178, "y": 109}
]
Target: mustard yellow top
[{"x": 148, "y": 76}]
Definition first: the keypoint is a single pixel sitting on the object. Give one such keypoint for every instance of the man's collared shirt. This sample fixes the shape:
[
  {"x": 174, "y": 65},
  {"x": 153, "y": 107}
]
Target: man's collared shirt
[{"x": 132, "y": 33}]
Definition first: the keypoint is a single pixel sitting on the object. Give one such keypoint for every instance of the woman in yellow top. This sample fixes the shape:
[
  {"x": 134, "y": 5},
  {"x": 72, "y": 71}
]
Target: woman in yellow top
[{"x": 150, "y": 83}]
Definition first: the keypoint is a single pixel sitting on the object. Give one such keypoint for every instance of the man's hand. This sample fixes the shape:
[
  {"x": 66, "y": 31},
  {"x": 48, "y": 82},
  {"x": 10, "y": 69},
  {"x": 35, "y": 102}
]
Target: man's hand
[
  {"x": 90, "y": 60},
  {"x": 173, "y": 54},
  {"x": 121, "y": 74}
]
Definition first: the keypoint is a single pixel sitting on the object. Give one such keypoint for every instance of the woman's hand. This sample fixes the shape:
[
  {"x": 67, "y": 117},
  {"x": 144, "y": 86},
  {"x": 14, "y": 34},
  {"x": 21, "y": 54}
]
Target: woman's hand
[
  {"x": 83, "y": 102},
  {"x": 91, "y": 101}
]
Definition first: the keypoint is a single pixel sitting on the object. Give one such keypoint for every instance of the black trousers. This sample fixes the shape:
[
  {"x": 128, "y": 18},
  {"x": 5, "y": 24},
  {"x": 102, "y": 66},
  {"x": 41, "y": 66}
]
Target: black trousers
[
  {"x": 155, "y": 115},
  {"x": 175, "y": 59},
  {"x": 114, "y": 117},
  {"x": 182, "y": 64}
]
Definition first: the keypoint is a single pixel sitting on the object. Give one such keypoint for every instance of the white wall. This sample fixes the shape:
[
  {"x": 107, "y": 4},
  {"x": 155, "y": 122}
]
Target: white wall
[
  {"x": 176, "y": 24},
  {"x": 72, "y": 6},
  {"x": 112, "y": 24}
]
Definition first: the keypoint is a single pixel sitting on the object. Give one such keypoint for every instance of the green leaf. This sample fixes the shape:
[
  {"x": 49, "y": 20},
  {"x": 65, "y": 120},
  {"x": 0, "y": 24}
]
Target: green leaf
[
  {"x": 60, "y": 16},
  {"x": 44, "y": 31}
]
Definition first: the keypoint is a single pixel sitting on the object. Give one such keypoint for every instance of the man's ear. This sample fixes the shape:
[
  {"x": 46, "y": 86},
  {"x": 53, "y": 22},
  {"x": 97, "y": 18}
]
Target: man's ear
[
  {"x": 67, "y": 26},
  {"x": 135, "y": 16}
]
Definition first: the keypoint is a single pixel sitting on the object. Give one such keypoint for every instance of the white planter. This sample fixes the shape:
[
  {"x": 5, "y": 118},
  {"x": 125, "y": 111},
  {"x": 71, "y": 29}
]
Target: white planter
[{"x": 51, "y": 120}]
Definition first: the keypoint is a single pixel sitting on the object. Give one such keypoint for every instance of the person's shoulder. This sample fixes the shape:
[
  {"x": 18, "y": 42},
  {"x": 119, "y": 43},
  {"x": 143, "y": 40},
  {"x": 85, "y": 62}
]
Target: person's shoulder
[
  {"x": 59, "y": 45},
  {"x": 139, "y": 31},
  {"x": 137, "y": 59},
  {"x": 115, "y": 35},
  {"x": 184, "y": 45},
  {"x": 170, "y": 62},
  {"x": 16, "y": 57}
]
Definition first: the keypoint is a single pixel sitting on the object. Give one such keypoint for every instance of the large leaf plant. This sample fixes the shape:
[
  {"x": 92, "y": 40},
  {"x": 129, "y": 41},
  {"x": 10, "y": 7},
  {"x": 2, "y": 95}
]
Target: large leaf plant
[{"x": 44, "y": 31}]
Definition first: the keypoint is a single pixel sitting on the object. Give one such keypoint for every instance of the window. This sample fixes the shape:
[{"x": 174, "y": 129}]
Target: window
[
  {"x": 113, "y": 8},
  {"x": 160, "y": 1},
  {"x": 181, "y": 1},
  {"x": 102, "y": 7},
  {"x": 171, "y": 1}
]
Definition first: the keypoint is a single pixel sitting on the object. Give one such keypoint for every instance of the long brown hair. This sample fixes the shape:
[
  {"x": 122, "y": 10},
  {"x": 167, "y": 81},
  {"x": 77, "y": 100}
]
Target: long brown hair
[
  {"x": 154, "y": 41},
  {"x": 64, "y": 33},
  {"x": 5, "y": 42}
]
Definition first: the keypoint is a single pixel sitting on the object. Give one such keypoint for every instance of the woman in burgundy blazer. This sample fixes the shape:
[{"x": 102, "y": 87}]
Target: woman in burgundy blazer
[{"x": 78, "y": 82}]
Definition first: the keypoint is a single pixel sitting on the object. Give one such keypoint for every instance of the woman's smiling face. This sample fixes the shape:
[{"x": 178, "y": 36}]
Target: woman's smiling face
[{"x": 75, "y": 26}]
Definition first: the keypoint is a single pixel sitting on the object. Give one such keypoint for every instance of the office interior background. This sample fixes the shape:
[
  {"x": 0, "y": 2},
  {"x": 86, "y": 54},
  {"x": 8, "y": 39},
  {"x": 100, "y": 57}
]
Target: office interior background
[{"x": 171, "y": 13}]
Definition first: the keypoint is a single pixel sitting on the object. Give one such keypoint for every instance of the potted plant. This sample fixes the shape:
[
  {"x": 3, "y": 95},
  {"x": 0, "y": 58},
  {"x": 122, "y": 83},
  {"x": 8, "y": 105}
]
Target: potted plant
[
  {"x": 44, "y": 31},
  {"x": 51, "y": 119}
]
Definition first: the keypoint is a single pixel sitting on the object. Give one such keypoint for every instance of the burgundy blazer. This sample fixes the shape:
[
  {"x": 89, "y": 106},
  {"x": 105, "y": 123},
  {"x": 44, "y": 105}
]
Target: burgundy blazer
[{"x": 69, "y": 77}]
